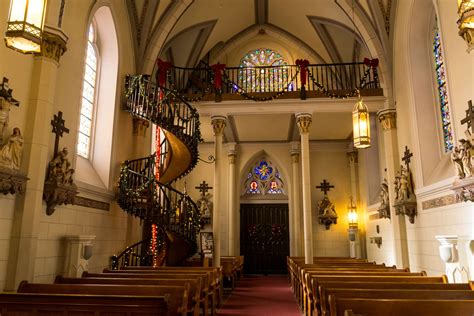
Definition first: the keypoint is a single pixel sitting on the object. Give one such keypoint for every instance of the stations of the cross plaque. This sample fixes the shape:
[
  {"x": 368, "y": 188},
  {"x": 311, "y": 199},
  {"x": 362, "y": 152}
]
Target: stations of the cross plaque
[
  {"x": 203, "y": 188},
  {"x": 325, "y": 187},
  {"x": 469, "y": 119},
  {"x": 407, "y": 157},
  {"x": 58, "y": 128}
]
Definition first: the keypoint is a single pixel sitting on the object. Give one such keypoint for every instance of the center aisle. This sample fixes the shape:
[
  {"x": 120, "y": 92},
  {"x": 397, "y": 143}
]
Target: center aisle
[{"x": 261, "y": 295}]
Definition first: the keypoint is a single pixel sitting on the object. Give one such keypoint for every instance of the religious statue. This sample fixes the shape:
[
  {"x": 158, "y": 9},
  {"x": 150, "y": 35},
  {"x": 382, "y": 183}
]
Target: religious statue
[
  {"x": 384, "y": 208},
  {"x": 60, "y": 170},
  {"x": 465, "y": 148},
  {"x": 405, "y": 188},
  {"x": 456, "y": 158},
  {"x": 326, "y": 212},
  {"x": 11, "y": 151},
  {"x": 6, "y": 102},
  {"x": 405, "y": 198},
  {"x": 205, "y": 204}
]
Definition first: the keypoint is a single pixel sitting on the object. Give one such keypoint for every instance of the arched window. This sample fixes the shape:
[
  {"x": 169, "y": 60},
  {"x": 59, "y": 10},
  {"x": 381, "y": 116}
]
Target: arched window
[
  {"x": 88, "y": 95},
  {"x": 272, "y": 77},
  {"x": 263, "y": 178},
  {"x": 442, "y": 88}
]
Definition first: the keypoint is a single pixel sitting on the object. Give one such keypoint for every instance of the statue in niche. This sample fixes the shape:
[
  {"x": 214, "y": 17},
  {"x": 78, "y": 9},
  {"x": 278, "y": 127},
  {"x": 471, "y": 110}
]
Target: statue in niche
[
  {"x": 11, "y": 151},
  {"x": 5, "y": 107},
  {"x": 396, "y": 184},
  {"x": 60, "y": 170}
]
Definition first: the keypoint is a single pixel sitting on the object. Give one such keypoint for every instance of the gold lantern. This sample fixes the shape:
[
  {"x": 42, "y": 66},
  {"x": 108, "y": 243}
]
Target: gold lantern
[
  {"x": 25, "y": 25},
  {"x": 361, "y": 125},
  {"x": 352, "y": 214},
  {"x": 466, "y": 22}
]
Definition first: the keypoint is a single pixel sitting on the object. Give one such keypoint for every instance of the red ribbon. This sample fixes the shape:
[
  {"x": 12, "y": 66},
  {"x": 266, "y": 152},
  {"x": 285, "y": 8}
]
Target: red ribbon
[
  {"x": 163, "y": 67},
  {"x": 371, "y": 62},
  {"x": 303, "y": 64},
  {"x": 218, "y": 69}
]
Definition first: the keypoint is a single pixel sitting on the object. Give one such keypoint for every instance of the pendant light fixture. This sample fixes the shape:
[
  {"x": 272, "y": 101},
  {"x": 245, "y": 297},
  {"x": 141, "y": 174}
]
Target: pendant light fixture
[{"x": 466, "y": 22}]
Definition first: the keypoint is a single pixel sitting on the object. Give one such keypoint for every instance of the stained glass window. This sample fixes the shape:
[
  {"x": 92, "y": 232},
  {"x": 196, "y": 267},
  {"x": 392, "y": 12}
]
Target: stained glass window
[
  {"x": 263, "y": 178},
  {"x": 263, "y": 70},
  {"x": 88, "y": 96},
  {"x": 442, "y": 90}
]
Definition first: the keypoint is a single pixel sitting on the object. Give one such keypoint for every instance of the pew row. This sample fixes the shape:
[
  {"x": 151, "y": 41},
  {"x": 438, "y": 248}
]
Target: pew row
[{"x": 15, "y": 304}]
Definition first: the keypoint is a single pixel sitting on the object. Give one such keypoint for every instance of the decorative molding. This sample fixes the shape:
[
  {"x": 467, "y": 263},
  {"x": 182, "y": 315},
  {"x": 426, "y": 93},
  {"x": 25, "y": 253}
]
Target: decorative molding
[
  {"x": 464, "y": 189},
  {"x": 439, "y": 202},
  {"x": 12, "y": 181},
  {"x": 218, "y": 124},
  {"x": 53, "y": 44},
  {"x": 386, "y": 12},
  {"x": 303, "y": 120},
  {"x": 388, "y": 118},
  {"x": 82, "y": 201},
  {"x": 55, "y": 193},
  {"x": 95, "y": 193}
]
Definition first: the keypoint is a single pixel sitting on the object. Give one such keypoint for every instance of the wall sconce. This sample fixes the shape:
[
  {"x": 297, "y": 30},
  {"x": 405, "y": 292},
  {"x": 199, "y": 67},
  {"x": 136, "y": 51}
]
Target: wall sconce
[
  {"x": 361, "y": 124},
  {"x": 466, "y": 22},
  {"x": 25, "y": 25},
  {"x": 352, "y": 214}
]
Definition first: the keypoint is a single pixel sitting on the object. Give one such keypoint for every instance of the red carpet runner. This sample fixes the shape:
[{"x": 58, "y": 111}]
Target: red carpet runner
[{"x": 263, "y": 296}]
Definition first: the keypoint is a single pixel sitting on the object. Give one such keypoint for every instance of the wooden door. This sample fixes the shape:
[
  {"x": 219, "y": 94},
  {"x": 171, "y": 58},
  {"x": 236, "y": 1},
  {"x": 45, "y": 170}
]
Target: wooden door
[{"x": 264, "y": 238}]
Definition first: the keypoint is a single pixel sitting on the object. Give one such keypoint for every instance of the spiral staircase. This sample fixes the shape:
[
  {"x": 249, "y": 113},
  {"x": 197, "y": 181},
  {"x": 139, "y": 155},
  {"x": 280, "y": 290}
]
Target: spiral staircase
[{"x": 146, "y": 184}]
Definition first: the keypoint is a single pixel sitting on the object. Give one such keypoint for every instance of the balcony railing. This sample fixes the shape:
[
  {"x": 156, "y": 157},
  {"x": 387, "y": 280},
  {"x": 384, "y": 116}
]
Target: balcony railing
[{"x": 261, "y": 83}]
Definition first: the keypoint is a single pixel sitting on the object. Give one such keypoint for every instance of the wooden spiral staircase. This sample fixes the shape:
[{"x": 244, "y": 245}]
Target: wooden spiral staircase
[{"x": 145, "y": 185}]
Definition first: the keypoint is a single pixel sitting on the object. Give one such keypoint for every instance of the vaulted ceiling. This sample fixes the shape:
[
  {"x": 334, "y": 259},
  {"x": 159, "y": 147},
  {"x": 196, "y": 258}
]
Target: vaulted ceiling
[{"x": 322, "y": 31}]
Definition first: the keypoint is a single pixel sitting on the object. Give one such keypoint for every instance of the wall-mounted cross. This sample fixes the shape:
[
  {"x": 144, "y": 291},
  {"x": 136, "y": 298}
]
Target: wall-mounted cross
[
  {"x": 325, "y": 187},
  {"x": 407, "y": 157},
  {"x": 203, "y": 188},
  {"x": 7, "y": 93},
  {"x": 58, "y": 128},
  {"x": 469, "y": 119}
]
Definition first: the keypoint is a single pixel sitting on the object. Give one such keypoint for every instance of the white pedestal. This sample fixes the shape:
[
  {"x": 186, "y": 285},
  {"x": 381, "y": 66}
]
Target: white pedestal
[
  {"x": 78, "y": 253},
  {"x": 457, "y": 255}
]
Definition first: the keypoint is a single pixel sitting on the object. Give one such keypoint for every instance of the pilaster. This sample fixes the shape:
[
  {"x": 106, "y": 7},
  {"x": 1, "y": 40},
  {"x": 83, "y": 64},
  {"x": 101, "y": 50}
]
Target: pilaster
[
  {"x": 296, "y": 246},
  {"x": 232, "y": 197}
]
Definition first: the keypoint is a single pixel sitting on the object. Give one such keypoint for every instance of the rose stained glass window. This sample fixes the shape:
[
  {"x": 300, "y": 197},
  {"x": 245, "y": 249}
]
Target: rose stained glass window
[
  {"x": 263, "y": 70},
  {"x": 263, "y": 178}
]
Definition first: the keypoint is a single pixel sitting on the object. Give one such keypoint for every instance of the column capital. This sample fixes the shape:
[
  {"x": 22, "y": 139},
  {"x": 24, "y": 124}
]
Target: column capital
[
  {"x": 295, "y": 152},
  {"x": 353, "y": 156},
  {"x": 304, "y": 122},
  {"x": 139, "y": 126},
  {"x": 218, "y": 124},
  {"x": 53, "y": 44},
  {"x": 388, "y": 118}
]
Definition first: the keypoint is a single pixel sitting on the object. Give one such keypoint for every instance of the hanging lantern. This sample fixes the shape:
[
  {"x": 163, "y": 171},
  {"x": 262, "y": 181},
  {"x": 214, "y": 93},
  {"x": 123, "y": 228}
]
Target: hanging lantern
[
  {"x": 361, "y": 125},
  {"x": 466, "y": 22},
  {"x": 25, "y": 25},
  {"x": 352, "y": 214}
]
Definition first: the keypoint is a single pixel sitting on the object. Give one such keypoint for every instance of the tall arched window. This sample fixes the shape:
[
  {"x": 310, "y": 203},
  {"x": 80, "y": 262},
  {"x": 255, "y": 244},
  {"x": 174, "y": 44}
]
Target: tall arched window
[
  {"x": 263, "y": 178},
  {"x": 88, "y": 95},
  {"x": 442, "y": 89},
  {"x": 272, "y": 75}
]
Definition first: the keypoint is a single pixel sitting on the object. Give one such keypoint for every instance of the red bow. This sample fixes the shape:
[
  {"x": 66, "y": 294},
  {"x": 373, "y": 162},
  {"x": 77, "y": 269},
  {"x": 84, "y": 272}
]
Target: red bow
[
  {"x": 371, "y": 62},
  {"x": 303, "y": 64},
  {"x": 163, "y": 67},
  {"x": 218, "y": 69}
]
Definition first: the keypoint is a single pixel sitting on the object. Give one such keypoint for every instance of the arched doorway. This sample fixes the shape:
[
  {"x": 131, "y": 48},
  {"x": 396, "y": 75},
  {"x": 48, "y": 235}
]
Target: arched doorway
[{"x": 264, "y": 220}]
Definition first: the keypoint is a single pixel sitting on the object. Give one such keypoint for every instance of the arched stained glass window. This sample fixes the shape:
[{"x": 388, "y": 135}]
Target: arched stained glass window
[
  {"x": 263, "y": 178},
  {"x": 263, "y": 70},
  {"x": 442, "y": 90},
  {"x": 88, "y": 95}
]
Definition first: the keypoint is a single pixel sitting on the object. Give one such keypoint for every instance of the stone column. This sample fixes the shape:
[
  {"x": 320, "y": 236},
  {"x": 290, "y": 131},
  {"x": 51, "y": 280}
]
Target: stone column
[
  {"x": 36, "y": 150},
  {"x": 387, "y": 118},
  {"x": 304, "y": 122},
  {"x": 218, "y": 125},
  {"x": 297, "y": 236},
  {"x": 231, "y": 154},
  {"x": 355, "y": 232}
]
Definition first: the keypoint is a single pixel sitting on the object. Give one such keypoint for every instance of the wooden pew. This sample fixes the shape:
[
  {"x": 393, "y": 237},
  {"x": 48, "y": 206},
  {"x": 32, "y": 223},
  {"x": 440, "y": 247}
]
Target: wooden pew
[
  {"x": 393, "y": 294},
  {"x": 313, "y": 299},
  {"x": 15, "y": 304},
  {"x": 405, "y": 307},
  {"x": 229, "y": 269},
  {"x": 195, "y": 289},
  {"x": 205, "y": 282},
  {"x": 310, "y": 298},
  {"x": 178, "y": 296},
  {"x": 214, "y": 272}
]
